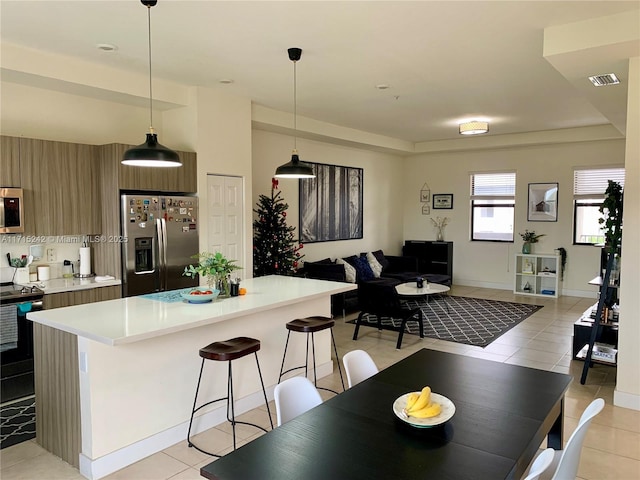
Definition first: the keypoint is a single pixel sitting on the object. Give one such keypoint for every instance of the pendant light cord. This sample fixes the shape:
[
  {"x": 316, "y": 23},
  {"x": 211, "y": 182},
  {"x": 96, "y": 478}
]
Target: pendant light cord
[
  {"x": 150, "y": 87},
  {"x": 295, "y": 108}
]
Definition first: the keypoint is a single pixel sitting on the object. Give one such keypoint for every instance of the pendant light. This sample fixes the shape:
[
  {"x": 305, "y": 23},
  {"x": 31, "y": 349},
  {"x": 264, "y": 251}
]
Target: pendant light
[
  {"x": 295, "y": 168},
  {"x": 151, "y": 153}
]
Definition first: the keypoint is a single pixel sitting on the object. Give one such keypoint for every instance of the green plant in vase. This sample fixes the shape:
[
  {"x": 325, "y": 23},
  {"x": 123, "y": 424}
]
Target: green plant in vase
[
  {"x": 529, "y": 237},
  {"x": 215, "y": 267}
]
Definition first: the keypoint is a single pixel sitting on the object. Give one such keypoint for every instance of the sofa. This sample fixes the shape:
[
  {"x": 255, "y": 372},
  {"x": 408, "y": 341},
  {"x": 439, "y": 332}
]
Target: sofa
[{"x": 366, "y": 267}]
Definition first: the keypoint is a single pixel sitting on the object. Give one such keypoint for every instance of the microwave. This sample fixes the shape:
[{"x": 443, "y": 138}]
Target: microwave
[{"x": 11, "y": 210}]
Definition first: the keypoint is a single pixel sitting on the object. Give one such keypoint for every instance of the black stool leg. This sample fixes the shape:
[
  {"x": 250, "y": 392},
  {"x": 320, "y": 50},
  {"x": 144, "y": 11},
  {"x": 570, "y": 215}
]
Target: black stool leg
[
  {"x": 286, "y": 345},
  {"x": 193, "y": 410},
  {"x": 335, "y": 349},
  {"x": 264, "y": 392},
  {"x": 230, "y": 400}
]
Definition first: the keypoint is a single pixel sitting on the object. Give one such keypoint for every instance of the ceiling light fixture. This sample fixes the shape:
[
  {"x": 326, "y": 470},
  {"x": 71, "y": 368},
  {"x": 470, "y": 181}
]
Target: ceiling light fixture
[
  {"x": 604, "y": 80},
  {"x": 474, "y": 128},
  {"x": 151, "y": 153},
  {"x": 295, "y": 168}
]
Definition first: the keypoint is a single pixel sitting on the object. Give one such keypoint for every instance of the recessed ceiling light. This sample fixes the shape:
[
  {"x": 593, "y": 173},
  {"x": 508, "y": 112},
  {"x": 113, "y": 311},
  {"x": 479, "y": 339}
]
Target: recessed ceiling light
[
  {"x": 474, "y": 128},
  {"x": 604, "y": 80},
  {"x": 106, "y": 47},
  {"x": 382, "y": 86},
  {"x": 225, "y": 81}
]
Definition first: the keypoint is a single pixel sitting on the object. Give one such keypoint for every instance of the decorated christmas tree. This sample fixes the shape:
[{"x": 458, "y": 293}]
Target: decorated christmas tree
[{"x": 275, "y": 251}]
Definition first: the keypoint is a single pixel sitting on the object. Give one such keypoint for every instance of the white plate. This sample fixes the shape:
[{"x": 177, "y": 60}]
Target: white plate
[{"x": 448, "y": 409}]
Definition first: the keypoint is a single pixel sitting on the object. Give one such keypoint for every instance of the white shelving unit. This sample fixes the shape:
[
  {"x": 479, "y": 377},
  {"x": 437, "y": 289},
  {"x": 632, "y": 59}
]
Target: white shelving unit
[{"x": 537, "y": 275}]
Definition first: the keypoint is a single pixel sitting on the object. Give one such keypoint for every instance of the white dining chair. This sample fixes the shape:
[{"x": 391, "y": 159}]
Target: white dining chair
[
  {"x": 293, "y": 397},
  {"x": 540, "y": 464},
  {"x": 359, "y": 366},
  {"x": 566, "y": 461}
]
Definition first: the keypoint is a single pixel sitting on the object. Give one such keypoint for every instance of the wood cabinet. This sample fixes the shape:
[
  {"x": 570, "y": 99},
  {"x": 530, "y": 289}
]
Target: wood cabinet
[
  {"x": 537, "y": 275},
  {"x": 61, "y": 188},
  {"x": 433, "y": 257},
  {"x": 80, "y": 297},
  {"x": 178, "y": 180},
  {"x": 9, "y": 161}
]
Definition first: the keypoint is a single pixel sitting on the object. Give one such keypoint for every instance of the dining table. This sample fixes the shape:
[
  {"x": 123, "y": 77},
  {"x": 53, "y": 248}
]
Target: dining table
[{"x": 503, "y": 413}]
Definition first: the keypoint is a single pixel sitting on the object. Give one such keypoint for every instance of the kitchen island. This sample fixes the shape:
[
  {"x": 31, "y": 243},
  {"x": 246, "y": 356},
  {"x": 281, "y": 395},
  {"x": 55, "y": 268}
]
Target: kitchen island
[{"x": 116, "y": 379}]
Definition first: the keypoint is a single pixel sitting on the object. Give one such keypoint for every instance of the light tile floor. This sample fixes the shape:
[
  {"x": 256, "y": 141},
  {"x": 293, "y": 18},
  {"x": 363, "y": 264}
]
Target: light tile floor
[{"x": 611, "y": 449}]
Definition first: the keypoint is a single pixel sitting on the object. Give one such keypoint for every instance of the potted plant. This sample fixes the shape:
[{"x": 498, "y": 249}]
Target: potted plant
[
  {"x": 611, "y": 221},
  {"x": 529, "y": 237},
  {"x": 215, "y": 268}
]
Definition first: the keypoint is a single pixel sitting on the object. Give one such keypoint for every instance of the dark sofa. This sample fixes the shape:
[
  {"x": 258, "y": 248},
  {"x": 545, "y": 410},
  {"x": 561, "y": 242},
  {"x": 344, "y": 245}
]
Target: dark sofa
[{"x": 395, "y": 270}]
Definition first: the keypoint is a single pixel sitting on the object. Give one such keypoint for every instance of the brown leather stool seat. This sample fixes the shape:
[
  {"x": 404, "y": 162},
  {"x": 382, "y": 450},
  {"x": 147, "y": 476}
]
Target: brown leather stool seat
[
  {"x": 227, "y": 351},
  {"x": 310, "y": 325}
]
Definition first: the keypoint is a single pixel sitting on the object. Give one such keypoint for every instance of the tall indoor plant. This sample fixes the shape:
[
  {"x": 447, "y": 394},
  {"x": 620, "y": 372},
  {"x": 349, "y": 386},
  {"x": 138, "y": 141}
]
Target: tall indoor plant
[{"x": 215, "y": 267}]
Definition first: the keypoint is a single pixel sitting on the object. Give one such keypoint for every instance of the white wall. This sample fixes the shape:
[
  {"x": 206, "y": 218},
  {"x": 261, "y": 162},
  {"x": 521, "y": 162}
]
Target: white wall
[
  {"x": 382, "y": 190},
  {"x": 490, "y": 264}
]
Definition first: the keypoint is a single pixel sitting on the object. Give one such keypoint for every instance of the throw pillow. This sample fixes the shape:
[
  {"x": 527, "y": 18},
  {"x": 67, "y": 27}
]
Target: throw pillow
[
  {"x": 363, "y": 270},
  {"x": 349, "y": 271},
  {"x": 381, "y": 260},
  {"x": 376, "y": 268}
]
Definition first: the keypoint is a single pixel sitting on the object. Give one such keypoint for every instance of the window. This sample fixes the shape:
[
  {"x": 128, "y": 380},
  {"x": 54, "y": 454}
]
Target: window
[
  {"x": 589, "y": 186},
  {"x": 492, "y": 206}
]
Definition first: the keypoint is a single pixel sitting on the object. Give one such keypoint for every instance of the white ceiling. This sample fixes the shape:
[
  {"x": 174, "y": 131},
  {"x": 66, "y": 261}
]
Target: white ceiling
[{"x": 444, "y": 61}]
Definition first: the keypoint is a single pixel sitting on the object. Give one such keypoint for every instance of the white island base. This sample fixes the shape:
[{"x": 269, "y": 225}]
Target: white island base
[{"x": 130, "y": 390}]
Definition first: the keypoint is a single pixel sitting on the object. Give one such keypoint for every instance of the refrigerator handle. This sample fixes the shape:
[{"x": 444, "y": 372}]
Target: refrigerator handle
[
  {"x": 165, "y": 267},
  {"x": 160, "y": 239}
]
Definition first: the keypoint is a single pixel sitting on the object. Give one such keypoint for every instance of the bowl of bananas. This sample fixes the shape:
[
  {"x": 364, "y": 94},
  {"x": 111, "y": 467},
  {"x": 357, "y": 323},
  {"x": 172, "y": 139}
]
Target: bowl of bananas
[{"x": 423, "y": 409}]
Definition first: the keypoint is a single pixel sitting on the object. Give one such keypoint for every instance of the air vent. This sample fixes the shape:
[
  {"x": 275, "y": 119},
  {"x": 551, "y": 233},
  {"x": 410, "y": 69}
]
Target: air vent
[{"x": 604, "y": 80}]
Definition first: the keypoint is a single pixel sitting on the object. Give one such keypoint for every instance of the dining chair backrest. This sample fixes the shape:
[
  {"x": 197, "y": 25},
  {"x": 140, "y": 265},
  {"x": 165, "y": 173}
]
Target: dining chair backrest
[
  {"x": 540, "y": 464},
  {"x": 570, "y": 456},
  {"x": 293, "y": 397},
  {"x": 359, "y": 366}
]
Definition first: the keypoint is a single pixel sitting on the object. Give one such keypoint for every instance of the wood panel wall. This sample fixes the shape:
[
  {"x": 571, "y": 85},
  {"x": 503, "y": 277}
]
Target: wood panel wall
[{"x": 9, "y": 161}]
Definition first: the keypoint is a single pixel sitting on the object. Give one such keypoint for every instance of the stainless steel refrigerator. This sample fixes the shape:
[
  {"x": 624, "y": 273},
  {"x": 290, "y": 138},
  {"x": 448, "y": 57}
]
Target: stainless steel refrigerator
[{"x": 162, "y": 235}]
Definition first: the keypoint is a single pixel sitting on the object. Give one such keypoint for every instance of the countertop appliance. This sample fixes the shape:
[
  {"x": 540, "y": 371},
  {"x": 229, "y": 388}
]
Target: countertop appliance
[
  {"x": 160, "y": 236},
  {"x": 16, "y": 339},
  {"x": 11, "y": 210}
]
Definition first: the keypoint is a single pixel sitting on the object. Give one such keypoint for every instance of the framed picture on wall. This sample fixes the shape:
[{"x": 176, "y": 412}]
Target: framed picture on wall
[
  {"x": 442, "y": 201},
  {"x": 331, "y": 204},
  {"x": 543, "y": 202}
]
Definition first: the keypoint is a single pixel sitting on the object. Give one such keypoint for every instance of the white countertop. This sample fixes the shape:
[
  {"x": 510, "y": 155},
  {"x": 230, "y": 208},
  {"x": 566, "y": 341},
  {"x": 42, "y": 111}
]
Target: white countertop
[
  {"x": 128, "y": 320},
  {"x": 58, "y": 285}
]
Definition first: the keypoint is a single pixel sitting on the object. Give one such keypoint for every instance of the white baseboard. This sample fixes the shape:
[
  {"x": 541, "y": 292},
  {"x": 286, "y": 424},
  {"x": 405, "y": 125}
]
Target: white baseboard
[
  {"x": 112, "y": 462},
  {"x": 503, "y": 286},
  {"x": 626, "y": 400}
]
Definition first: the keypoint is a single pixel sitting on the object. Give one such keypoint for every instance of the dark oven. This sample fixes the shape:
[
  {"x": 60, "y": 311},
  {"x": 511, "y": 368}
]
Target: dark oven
[{"x": 16, "y": 340}]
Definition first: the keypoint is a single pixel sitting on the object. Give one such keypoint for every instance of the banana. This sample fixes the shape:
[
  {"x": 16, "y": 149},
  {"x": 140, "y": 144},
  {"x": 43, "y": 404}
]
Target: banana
[
  {"x": 422, "y": 401},
  {"x": 429, "y": 411},
  {"x": 411, "y": 399}
]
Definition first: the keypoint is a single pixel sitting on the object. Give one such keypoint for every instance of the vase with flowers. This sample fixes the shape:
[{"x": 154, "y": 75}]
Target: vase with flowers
[
  {"x": 440, "y": 223},
  {"x": 529, "y": 238},
  {"x": 216, "y": 268}
]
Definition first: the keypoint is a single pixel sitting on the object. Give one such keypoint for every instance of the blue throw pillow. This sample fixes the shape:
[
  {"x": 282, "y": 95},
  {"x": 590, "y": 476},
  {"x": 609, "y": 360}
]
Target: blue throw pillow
[{"x": 363, "y": 270}]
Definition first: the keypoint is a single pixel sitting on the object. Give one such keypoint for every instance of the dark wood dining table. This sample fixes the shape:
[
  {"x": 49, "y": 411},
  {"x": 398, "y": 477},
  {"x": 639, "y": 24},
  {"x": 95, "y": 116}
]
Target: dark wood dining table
[{"x": 503, "y": 414}]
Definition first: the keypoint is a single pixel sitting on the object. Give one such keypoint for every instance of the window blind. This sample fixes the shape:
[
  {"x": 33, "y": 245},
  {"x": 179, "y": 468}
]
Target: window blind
[
  {"x": 493, "y": 184},
  {"x": 595, "y": 181}
]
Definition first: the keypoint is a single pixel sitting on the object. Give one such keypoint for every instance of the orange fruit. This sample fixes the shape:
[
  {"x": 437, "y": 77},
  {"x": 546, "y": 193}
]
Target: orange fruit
[{"x": 242, "y": 291}]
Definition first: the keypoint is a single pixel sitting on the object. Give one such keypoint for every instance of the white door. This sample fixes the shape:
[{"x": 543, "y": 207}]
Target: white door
[{"x": 226, "y": 206}]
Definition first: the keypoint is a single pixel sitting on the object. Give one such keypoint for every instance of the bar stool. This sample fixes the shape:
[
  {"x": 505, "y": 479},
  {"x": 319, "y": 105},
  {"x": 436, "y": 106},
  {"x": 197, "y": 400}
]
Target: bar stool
[
  {"x": 311, "y": 325},
  {"x": 226, "y": 351}
]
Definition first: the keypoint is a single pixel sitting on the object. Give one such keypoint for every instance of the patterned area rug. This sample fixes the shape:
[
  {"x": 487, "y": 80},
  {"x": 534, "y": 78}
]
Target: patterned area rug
[
  {"x": 472, "y": 321},
  {"x": 18, "y": 421}
]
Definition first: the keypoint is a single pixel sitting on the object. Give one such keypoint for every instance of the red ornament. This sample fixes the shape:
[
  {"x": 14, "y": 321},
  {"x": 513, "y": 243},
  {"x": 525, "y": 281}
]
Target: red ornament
[
  {"x": 284, "y": 214},
  {"x": 274, "y": 183}
]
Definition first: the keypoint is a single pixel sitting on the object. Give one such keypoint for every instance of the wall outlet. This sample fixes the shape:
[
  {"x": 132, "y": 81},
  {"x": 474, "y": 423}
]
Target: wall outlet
[{"x": 51, "y": 254}]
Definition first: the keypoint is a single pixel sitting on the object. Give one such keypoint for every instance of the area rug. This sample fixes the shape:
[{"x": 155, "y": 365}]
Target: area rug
[
  {"x": 472, "y": 321},
  {"x": 17, "y": 421}
]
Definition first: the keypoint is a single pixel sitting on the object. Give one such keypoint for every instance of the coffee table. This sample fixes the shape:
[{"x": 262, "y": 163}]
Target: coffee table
[{"x": 410, "y": 289}]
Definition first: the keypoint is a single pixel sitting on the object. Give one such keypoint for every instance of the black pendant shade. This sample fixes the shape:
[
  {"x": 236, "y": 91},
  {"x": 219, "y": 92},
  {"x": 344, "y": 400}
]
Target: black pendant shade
[
  {"x": 295, "y": 169},
  {"x": 151, "y": 154}
]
